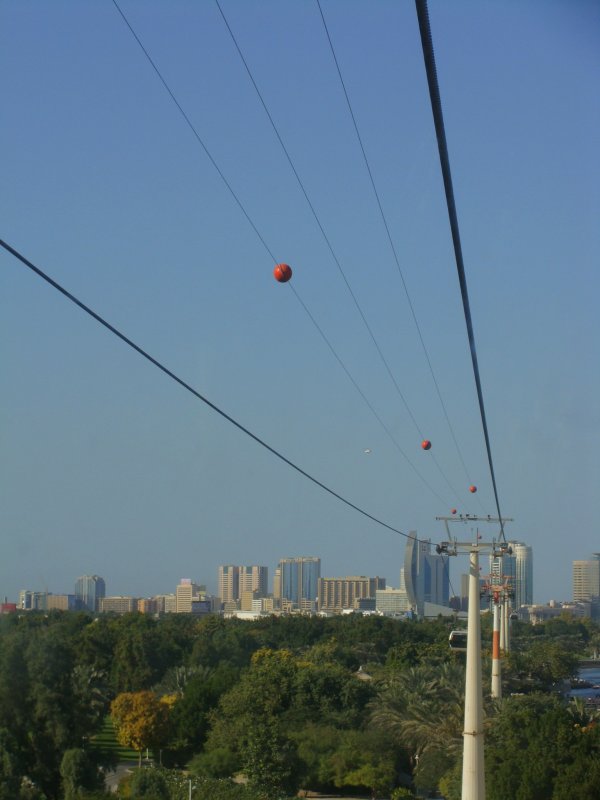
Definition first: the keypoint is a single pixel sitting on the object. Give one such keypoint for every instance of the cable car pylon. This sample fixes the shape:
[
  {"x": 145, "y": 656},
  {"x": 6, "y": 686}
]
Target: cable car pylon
[{"x": 473, "y": 769}]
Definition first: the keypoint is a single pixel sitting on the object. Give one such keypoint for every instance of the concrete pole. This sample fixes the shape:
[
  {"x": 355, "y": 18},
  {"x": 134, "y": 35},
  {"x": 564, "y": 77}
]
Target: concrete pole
[
  {"x": 496, "y": 666},
  {"x": 502, "y": 624},
  {"x": 473, "y": 775},
  {"x": 506, "y": 624}
]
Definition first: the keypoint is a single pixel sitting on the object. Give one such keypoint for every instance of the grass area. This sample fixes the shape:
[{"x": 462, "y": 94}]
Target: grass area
[{"x": 106, "y": 741}]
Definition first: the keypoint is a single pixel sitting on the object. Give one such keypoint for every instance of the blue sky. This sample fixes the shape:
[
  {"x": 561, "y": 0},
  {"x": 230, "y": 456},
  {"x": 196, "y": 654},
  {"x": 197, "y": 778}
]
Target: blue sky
[{"x": 108, "y": 467}]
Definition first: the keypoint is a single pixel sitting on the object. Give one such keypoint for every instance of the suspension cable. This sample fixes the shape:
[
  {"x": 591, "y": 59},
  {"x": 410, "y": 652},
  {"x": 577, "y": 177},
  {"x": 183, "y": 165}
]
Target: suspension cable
[{"x": 438, "y": 118}]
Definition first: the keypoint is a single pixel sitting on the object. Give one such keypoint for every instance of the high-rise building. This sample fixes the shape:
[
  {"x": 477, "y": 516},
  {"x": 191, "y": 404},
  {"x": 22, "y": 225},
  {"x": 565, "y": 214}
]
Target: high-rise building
[
  {"x": 586, "y": 579},
  {"x": 254, "y": 579},
  {"x": 336, "y": 594},
  {"x": 229, "y": 583},
  {"x": 188, "y": 593},
  {"x": 517, "y": 570},
  {"x": 426, "y": 577},
  {"x": 299, "y": 582},
  {"x": 88, "y": 590},
  {"x": 235, "y": 580}
]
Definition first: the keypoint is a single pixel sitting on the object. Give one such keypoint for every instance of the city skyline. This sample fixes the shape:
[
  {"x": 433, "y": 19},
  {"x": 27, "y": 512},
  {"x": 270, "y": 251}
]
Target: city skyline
[
  {"x": 418, "y": 562},
  {"x": 111, "y": 467}
]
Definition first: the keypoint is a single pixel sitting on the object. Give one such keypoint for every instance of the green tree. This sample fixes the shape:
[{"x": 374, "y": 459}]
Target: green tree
[
  {"x": 422, "y": 708},
  {"x": 534, "y": 748},
  {"x": 78, "y": 771},
  {"x": 150, "y": 784},
  {"x": 364, "y": 759},
  {"x": 542, "y": 665},
  {"x": 190, "y": 713}
]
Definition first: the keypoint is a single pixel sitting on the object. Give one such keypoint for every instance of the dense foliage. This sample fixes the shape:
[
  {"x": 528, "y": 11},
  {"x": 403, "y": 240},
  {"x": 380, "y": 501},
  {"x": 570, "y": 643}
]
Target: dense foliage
[{"x": 354, "y": 704}]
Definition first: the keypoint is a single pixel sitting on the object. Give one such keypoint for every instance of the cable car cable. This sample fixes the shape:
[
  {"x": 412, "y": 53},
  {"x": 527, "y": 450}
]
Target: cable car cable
[
  {"x": 318, "y": 221},
  {"x": 363, "y": 395},
  {"x": 255, "y": 229},
  {"x": 438, "y": 118},
  {"x": 393, "y": 248},
  {"x": 330, "y": 247},
  {"x": 159, "y": 365}
]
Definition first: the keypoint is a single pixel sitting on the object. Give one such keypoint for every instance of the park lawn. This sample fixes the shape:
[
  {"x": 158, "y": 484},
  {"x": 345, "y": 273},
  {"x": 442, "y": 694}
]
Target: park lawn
[{"x": 106, "y": 740}]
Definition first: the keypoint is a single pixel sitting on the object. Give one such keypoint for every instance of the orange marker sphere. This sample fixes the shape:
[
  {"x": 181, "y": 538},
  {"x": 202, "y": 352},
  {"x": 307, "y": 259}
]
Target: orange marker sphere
[
  {"x": 453, "y": 511},
  {"x": 282, "y": 273},
  {"x": 472, "y": 489},
  {"x": 426, "y": 444}
]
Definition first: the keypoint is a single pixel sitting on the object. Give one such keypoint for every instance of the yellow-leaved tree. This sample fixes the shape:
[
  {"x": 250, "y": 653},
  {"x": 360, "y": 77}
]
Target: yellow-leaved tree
[{"x": 141, "y": 720}]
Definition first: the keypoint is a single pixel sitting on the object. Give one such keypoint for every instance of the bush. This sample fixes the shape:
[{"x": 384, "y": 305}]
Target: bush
[{"x": 149, "y": 783}]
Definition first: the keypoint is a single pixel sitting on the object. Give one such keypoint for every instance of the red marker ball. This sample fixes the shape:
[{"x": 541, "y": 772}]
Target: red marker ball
[
  {"x": 472, "y": 489},
  {"x": 453, "y": 510},
  {"x": 426, "y": 444},
  {"x": 282, "y": 273}
]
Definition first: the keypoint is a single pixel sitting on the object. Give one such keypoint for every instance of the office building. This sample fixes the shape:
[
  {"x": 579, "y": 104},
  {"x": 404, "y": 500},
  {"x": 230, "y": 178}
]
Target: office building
[
  {"x": 235, "y": 580},
  {"x": 88, "y": 590},
  {"x": 299, "y": 579},
  {"x": 392, "y": 602},
  {"x": 32, "y": 601},
  {"x": 229, "y": 583},
  {"x": 188, "y": 593},
  {"x": 61, "y": 602},
  {"x": 426, "y": 575},
  {"x": 337, "y": 594},
  {"x": 586, "y": 579},
  {"x": 148, "y": 605},
  {"x": 118, "y": 605}
]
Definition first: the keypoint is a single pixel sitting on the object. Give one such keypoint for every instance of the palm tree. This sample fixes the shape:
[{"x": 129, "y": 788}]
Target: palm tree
[{"x": 423, "y": 708}]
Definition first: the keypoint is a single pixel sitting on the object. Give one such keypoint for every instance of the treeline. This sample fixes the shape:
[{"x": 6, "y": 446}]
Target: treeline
[{"x": 349, "y": 703}]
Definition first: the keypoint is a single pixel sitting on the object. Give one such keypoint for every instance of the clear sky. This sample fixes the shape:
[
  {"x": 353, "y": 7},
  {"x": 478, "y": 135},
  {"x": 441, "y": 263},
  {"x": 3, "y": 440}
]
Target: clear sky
[{"x": 109, "y": 467}]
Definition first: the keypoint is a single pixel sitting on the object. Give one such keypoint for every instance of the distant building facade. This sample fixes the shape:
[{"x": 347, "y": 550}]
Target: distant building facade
[
  {"x": 32, "y": 601},
  {"x": 586, "y": 584},
  {"x": 187, "y": 593},
  {"x": 426, "y": 575},
  {"x": 118, "y": 605},
  {"x": 392, "y": 602},
  {"x": 299, "y": 583},
  {"x": 517, "y": 569},
  {"x": 586, "y": 579},
  {"x": 88, "y": 590},
  {"x": 61, "y": 602},
  {"x": 235, "y": 580},
  {"x": 337, "y": 594}
]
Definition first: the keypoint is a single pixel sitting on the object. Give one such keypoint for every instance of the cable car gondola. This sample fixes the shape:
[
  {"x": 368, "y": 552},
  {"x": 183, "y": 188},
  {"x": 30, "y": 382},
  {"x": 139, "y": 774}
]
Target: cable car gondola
[{"x": 458, "y": 641}]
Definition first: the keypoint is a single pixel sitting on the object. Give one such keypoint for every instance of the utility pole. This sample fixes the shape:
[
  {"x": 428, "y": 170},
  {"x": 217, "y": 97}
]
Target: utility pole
[
  {"x": 473, "y": 772},
  {"x": 496, "y": 668}
]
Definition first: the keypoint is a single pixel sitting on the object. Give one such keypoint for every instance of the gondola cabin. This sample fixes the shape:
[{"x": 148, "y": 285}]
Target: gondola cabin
[{"x": 458, "y": 641}]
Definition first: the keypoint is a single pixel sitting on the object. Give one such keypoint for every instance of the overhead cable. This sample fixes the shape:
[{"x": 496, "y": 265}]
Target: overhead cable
[
  {"x": 264, "y": 243},
  {"x": 330, "y": 247},
  {"x": 438, "y": 118},
  {"x": 393, "y": 247},
  {"x": 159, "y": 365}
]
